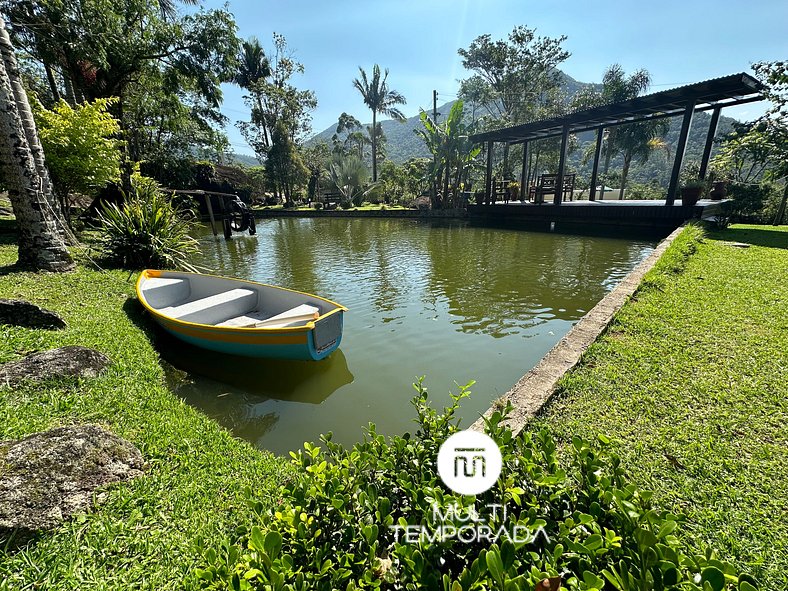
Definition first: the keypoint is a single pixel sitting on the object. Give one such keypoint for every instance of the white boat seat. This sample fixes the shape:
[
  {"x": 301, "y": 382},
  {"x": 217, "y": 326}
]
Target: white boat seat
[
  {"x": 164, "y": 291},
  {"x": 215, "y": 308},
  {"x": 293, "y": 317}
]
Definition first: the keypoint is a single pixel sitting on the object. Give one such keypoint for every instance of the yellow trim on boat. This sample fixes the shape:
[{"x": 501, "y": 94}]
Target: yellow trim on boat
[
  {"x": 245, "y": 338},
  {"x": 214, "y": 330}
]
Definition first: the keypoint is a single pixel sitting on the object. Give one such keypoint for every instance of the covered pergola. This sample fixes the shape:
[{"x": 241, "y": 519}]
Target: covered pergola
[{"x": 711, "y": 95}]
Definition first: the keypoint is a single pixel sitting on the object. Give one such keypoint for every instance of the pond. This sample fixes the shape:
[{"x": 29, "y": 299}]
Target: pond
[{"x": 450, "y": 302}]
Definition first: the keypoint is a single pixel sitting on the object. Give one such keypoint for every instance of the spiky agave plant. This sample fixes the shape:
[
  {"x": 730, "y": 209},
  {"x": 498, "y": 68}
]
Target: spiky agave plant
[
  {"x": 147, "y": 230},
  {"x": 350, "y": 175}
]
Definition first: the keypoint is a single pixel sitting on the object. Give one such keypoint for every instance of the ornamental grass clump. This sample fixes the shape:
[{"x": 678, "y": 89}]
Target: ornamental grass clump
[
  {"x": 148, "y": 230},
  {"x": 377, "y": 516}
]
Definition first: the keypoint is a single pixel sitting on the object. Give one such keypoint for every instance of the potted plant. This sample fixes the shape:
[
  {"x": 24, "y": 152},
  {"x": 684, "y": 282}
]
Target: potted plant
[
  {"x": 719, "y": 189},
  {"x": 514, "y": 190},
  {"x": 691, "y": 191}
]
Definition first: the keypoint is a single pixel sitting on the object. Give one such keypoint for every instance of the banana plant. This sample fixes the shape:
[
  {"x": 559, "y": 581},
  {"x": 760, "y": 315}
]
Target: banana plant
[{"x": 453, "y": 153}]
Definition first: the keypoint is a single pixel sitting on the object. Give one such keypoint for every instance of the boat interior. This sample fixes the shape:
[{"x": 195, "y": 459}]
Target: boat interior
[{"x": 223, "y": 302}]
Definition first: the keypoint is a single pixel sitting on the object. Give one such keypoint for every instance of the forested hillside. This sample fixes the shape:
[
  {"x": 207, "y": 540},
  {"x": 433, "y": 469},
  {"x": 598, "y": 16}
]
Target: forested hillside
[{"x": 403, "y": 143}]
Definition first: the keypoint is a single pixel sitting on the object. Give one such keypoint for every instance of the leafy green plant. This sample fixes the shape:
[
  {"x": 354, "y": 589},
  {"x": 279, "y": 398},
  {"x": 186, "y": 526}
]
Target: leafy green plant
[
  {"x": 79, "y": 143},
  {"x": 340, "y": 521},
  {"x": 349, "y": 175},
  {"x": 453, "y": 152},
  {"x": 147, "y": 230}
]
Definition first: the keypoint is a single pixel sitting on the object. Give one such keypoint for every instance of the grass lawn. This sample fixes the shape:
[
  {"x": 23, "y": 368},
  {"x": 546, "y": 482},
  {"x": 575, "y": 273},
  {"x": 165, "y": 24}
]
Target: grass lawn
[
  {"x": 364, "y": 207},
  {"x": 691, "y": 380},
  {"x": 148, "y": 534}
]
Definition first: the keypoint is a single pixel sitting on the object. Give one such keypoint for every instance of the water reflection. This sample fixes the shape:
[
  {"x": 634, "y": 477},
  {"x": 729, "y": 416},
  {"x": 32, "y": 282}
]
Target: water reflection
[
  {"x": 450, "y": 301},
  {"x": 512, "y": 280},
  {"x": 280, "y": 379}
]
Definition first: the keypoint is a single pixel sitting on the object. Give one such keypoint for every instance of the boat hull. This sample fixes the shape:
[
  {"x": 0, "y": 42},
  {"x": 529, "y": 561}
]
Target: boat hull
[
  {"x": 269, "y": 345},
  {"x": 314, "y": 341}
]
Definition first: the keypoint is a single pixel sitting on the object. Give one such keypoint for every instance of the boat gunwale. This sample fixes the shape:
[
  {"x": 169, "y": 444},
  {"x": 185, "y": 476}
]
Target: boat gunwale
[{"x": 154, "y": 273}]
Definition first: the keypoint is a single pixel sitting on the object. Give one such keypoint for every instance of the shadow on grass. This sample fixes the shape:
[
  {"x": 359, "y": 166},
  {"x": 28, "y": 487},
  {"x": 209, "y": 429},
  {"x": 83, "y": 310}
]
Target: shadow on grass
[
  {"x": 768, "y": 236},
  {"x": 15, "y": 540}
]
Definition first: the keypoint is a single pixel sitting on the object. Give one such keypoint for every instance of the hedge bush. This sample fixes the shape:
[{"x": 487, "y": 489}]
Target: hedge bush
[{"x": 338, "y": 524}]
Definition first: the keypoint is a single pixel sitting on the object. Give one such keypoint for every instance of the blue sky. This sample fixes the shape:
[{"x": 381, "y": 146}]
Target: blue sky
[{"x": 678, "y": 42}]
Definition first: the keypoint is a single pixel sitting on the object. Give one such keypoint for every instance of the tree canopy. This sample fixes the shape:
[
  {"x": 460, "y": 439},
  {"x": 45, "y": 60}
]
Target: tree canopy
[{"x": 513, "y": 78}]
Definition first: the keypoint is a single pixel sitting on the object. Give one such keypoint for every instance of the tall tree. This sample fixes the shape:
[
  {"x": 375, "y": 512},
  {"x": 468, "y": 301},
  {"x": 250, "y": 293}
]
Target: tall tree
[
  {"x": 274, "y": 100},
  {"x": 141, "y": 52},
  {"x": 380, "y": 99},
  {"x": 758, "y": 151},
  {"x": 40, "y": 241},
  {"x": 284, "y": 167},
  {"x": 253, "y": 69},
  {"x": 354, "y": 141},
  {"x": 633, "y": 141},
  {"x": 513, "y": 77}
]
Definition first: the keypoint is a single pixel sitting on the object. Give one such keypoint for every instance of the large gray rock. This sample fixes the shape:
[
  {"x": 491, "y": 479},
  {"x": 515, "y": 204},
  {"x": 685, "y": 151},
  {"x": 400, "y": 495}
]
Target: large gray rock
[
  {"x": 56, "y": 363},
  {"x": 22, "y": 313},
  {"x": 48, "y": 477}
]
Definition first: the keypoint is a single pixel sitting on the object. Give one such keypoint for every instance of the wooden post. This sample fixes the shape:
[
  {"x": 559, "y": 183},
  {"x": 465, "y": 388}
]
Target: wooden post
[
  {"x": 595, "y": 171},
  {"x": 224, "y": 216},
  {"x": 681, "y": 147},
  {"x": 524, "y": 174},
  {"x": 559, "y": 181},
  {"x": 488, "y": 177},
  {"x": 704, "y": 161},
  {"x": 209, "y": 206}
]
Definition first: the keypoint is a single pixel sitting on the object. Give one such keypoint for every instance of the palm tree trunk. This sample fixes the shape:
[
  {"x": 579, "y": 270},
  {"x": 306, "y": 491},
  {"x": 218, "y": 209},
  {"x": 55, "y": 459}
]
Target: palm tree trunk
[
  {"x": 31, "y": 134},
  {"x": 624, "y": 175},
  {"x": 374, "y": 148},
  {"x": 40, "y": 244}
]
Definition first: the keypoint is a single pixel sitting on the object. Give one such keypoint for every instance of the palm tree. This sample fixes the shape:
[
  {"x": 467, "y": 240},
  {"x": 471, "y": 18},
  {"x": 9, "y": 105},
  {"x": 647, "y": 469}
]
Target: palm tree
[
  {"x": 636, "y": 140},
  {"x": 254, "y": 67},
  {"x": 40, "y": 240},
  {"x": 380, "y": 99}
]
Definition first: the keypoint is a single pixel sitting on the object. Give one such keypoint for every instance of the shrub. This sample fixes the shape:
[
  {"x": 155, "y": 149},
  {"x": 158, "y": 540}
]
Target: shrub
[
  {"x": 336, "y": 523},
  {"x": 147, "y": 230},
  {"x": 650, "y": 190},
  {"x": 79, "y": 144}
]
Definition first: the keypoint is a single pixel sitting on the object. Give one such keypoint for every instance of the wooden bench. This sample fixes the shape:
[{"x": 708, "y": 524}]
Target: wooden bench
[
  {"x": 546, "y": 186},
  {"x": 333, "y": 198},
  {"x": 215, "y": 308},
  {"x": 501, "y": 189}
]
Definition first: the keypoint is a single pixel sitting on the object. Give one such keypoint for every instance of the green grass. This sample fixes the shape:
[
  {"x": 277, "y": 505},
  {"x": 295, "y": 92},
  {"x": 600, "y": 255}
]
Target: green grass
[
  {"x": 148, "y": 533},
  {"x": 691, "y": 380},
  {"x": 363, "y": 207}
]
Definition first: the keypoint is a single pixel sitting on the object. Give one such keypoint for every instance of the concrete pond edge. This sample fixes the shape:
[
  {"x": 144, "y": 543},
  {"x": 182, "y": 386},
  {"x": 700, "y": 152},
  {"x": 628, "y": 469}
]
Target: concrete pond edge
[{"x": 535, "y": 389}]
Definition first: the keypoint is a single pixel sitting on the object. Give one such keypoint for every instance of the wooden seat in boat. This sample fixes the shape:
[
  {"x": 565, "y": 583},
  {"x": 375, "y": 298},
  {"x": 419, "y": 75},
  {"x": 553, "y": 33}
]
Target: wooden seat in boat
[
  {"x": 164, "y": 291},
  {"x": 215, "y": 308},
  {"x": 294, "y": 316}
]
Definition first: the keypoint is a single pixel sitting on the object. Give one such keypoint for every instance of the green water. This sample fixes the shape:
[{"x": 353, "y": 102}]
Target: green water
[{"x": 453, "y": 303}]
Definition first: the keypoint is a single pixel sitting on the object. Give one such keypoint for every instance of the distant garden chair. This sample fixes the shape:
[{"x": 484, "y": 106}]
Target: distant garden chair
[
  {"x": 546, "y": 186},
  {"x": 501, "y": 189}
]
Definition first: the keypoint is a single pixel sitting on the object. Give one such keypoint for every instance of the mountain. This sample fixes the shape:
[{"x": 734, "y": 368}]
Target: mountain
[
  {"x": 403, "y": 143},
  {"x": 243, "y": 159},
  {"x": 401, "y": 139}
]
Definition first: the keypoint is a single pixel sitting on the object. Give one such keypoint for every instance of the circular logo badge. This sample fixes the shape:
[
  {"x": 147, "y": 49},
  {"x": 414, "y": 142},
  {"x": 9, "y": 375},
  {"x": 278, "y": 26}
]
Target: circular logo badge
[{"x": 469, "y": 462}]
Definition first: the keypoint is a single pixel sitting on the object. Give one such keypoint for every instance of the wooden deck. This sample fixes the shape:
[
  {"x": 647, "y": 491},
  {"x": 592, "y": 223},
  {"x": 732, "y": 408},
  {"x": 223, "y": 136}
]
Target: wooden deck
[{"x": 635, "y": 213}]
